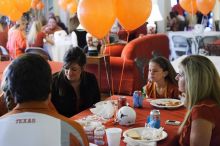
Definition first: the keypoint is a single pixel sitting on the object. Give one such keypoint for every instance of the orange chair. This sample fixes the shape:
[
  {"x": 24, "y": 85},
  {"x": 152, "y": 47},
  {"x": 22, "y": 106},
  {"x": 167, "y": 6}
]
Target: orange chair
[{"x": 129, "y": 63}]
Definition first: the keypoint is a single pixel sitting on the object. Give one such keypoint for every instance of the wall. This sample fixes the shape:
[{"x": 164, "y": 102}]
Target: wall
[{"x": 165, "y": 7}]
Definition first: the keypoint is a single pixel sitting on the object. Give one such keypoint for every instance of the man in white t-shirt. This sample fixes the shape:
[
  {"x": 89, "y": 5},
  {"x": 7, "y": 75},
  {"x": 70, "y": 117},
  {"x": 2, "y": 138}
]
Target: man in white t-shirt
[{"x": 32, "y": 122}]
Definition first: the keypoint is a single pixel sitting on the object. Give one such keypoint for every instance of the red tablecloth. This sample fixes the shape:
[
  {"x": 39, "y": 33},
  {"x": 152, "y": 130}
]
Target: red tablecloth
[{"x": 142, "y": 113}]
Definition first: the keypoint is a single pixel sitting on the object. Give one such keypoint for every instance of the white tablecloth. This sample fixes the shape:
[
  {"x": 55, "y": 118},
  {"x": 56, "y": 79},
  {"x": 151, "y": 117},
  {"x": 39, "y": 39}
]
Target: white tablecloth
[
  {"x": 192, "y": 35},
  {"x": 214, "y": 59}
]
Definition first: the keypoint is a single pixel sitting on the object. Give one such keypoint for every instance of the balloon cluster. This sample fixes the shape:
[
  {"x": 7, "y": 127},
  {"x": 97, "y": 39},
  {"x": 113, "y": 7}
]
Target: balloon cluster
[
  {"x": 69, "y": 5},
  {"x": 37, "y": 4},
  {"x": 15, "y": 8},
  {"x": 192, "y": 6},
  {"x": 98, "y": 16}
]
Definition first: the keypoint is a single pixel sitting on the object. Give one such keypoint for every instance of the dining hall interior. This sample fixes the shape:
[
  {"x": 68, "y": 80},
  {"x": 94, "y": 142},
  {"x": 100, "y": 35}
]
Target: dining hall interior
[{"x": 121, "y": 73}]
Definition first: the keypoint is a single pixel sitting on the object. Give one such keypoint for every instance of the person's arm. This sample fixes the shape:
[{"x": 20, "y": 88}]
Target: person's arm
[
  {"x": 201, "y": 132},
  {"x": 49, "y": 40}
]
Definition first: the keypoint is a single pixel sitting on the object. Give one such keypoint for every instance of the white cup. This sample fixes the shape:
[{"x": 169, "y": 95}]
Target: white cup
[{"x": 113, "y": 136}]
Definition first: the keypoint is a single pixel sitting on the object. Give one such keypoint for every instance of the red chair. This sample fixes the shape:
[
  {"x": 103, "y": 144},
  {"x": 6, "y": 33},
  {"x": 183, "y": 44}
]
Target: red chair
[{"x": 129, "y": 63}]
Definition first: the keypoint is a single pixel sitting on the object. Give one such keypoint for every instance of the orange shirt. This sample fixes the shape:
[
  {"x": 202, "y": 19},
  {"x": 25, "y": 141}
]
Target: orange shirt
[
  {"x": 208, "y": 110},
  {"x": 39, "y": 40},
  {"x": 16, "y": 43},
  {"x": 171, "y": 91}
]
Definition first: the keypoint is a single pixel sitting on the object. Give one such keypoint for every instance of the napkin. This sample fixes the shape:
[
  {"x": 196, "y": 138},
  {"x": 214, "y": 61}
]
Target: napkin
[
  {"x": 132, "y": 142},
  {"x": 104, "y": 109},
  {"x": 152, "y": 133},
  {"x": 92, "y": 144}
]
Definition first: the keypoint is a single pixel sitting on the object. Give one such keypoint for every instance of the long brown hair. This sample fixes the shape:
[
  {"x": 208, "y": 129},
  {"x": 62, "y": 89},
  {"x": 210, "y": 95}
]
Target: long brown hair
[{"x": 166, "y": 66}]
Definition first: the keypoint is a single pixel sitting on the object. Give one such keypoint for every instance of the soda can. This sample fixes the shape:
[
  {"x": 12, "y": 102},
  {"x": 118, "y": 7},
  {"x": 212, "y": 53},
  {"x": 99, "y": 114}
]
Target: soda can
[
  {"x": 153, "y": 120},
  {"x": 137, "y": 99},
  {"x": 122, "y": 101}
]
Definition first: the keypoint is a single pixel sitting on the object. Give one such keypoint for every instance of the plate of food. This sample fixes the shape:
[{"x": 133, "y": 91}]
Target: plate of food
[
  {"x": 167, "y": 103},
  {"x": 143, "y": 134}
]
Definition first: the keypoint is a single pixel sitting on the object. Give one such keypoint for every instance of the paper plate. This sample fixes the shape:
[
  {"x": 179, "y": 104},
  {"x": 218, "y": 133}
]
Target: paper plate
[
  {"x": 139, "y": 130},
  {"x": 167, "y": 103}
]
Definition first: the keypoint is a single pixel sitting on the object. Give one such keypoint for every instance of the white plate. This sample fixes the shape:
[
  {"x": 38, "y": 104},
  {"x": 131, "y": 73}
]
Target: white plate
[
  {"x": 92, "y": 144},
  {"x": 139, "y": 130},
  {"x": 166, "y": 103}
]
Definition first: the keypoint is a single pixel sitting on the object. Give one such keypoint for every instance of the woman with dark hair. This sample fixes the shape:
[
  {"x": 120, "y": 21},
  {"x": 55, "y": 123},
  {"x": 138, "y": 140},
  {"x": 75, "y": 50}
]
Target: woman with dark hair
[
  {"x": 74, "y": 89},
  {"x": 161, "y": 79},
  {"x": 51, "y": 26}
]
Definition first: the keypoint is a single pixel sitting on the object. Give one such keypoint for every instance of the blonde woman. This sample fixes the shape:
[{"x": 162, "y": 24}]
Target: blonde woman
[
  {"x": 36, "y": 37},
  {"x": 199, "y": 80}
]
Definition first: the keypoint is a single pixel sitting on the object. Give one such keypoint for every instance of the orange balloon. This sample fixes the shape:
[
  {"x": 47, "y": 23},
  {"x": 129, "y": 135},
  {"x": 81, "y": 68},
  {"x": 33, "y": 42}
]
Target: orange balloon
[
  {"x": 23, "y": 5},
  {"x": 36, "y": 1},
  {"x": 33, "y": 5},
  {"x": 205, "y": 6},
  {"x": 63, "y": 3},
  {"x": 133, "y": 13},
  {"x": 6, "y": 6},
  {"x": 14, "y": 15},
  {"x": 72, "y": 7},
  {"x": 189, "y": 6},
  {"x": 40, "y": 5},
  {"x": 96, "y": 16}
]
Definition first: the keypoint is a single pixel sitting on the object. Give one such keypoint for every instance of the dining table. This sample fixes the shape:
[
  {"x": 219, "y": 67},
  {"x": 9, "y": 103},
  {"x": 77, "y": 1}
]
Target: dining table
[
  {"x": 176, "y": 114},
  {"x": 192, "y": 36},
  {"x": 213, "y": 48},
  {"x": 215, "y": 60}
]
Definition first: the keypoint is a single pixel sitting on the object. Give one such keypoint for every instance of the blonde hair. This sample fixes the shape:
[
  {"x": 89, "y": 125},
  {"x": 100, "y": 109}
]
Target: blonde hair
[
  {"x": 35, "y": 29},
  {"x": 201, "y": 81},
  {"x": 1, "y": 28}
]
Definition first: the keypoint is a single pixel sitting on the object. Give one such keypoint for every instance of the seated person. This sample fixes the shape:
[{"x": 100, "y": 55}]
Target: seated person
[
  {"x": 199, "y": 80},
  {"x": 36, "y": 37},
  {"x": 51, "y": 26},
  {"x": 31, "y": 122},
  {"x": 74, "y": 89},
  {"x": 161, "y": 79},
  {"x": 7, "y": 102},
  {"x": 92, "y": 45}
]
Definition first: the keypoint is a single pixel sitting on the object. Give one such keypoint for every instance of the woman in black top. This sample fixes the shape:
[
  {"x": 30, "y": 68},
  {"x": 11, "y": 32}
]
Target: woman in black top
[{"x": 73, "y": 89}]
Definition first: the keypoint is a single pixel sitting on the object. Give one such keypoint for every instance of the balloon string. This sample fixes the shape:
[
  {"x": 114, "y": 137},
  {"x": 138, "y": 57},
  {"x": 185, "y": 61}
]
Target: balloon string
[
  {"x": 107, "y": 70},
  {"x": 122, "y": 72},
  {"x": 128, "y": 33}
]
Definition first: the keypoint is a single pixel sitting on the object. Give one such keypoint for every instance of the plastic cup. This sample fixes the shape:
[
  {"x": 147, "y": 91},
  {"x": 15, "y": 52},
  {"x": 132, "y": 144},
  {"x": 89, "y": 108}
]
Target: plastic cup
[{"x": 113, "y": 136}]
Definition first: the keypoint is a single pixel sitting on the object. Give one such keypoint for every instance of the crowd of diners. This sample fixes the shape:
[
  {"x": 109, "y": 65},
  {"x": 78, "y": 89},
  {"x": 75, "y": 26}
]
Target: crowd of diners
[{"x": 29, "y": 87}]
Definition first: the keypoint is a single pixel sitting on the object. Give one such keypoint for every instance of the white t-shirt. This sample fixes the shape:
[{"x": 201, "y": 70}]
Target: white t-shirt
[{"x": 35, "y": 129}]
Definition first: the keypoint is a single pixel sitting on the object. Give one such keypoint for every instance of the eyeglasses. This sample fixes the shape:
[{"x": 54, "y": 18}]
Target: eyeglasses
[{"x": 180, "y": 75}]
